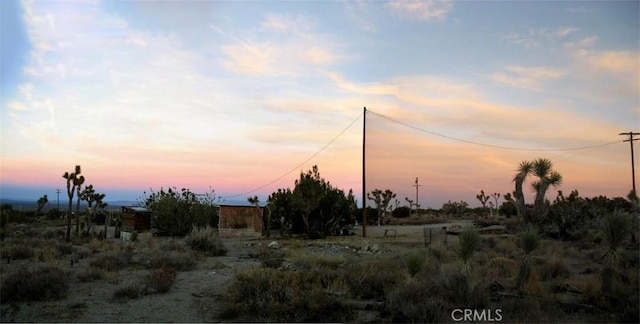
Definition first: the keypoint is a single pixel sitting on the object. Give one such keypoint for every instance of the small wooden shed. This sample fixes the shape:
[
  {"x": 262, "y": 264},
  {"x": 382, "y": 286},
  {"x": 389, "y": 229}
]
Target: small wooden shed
[
  {"x": 136, "y": 219},
  {"x": 245, "y": 219}
]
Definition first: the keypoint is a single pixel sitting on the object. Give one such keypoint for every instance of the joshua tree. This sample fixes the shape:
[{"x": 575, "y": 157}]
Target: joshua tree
[
  {"x": 543, "y": 169},
  {"x": 382, "y": 200},
  {"x": 79, "y": 183},
  {"x": 469, "y": 243},
  {"x": 524, "y": 169},
  {"x": 615, "y": 230},
  {"x": 42, "y": 201},
  {"x": 528, "y": 241},
  {"x": 73, "y": 182},
  {"x": 496, "y": 197},
  {"x": 255, "y": 201},
  {"x": 483, "y": 200}
]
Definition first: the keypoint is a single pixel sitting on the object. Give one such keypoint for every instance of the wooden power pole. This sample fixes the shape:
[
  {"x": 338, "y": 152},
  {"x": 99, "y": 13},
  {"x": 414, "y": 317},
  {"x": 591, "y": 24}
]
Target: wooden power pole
[
  {"x": 633, "y": 169},
  {"x": 364, "y": 174}
]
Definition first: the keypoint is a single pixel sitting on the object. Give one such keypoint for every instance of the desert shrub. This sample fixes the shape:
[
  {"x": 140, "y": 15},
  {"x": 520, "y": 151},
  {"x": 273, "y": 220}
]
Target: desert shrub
[
  {"x": 438, "y": 252},
  {"x": 176, "y": 260},
  {"x": 40, "y": 284},
  {"x": 130, "y": 291},
  {"x": 455, "y": 288},
  {"x": 52, "y": 233},
  {"x": 90, "y": 274},
  {"x": 83, "y": 251},
  {"x": 555, "y": 267},
  {"x": 411, "y": 302},
  {"x": 20, "y": 252},
  {"x": 308, "y": 262},
  {"x": 266, "y": 294},
  {"x": 366, "y": 283},
  {"x": 161, "y": 279},
  {"x": 501, "y": 267},
  {"x": 64, "y": 249},
  {"x": 112, "y": 260},
  {"x": 96, "y": 245},
  {"x": 206, "y": 240},
  {"x": 269, "y": 258},
  {"x": 414, "y": 263},
  {"x": 469, "y": 243}
]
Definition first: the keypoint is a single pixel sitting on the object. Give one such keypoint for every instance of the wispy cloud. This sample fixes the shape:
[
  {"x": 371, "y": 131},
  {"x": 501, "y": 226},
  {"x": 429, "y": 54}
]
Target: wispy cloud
[
  {"x": 300, "y": 50},
  {"x": 526, "y": 77},
  {"x": 536, "y": 37},
  {"x": 421, "y": 10}
]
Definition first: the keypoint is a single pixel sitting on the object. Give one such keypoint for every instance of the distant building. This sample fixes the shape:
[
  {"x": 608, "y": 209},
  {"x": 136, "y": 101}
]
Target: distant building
[
  {"x": 240, "y": 220},
  {"x": 136, "y": 219}
]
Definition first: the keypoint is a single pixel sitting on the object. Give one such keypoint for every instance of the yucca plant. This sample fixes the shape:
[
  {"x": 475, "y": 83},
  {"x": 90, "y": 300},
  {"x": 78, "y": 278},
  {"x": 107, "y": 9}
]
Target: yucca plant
[
  {"x": 469, "y": 243},
  {"x": 528, "y": 241},
  {"x": 614, "y": 231}
]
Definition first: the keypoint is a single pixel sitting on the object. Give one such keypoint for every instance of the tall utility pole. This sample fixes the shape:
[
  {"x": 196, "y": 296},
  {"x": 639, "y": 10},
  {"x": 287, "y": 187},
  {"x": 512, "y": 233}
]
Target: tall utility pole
[
  {"x": 417, "y": 185},
  {"x": 58, "y": 199},
  {"x": 633, "y": 169},
  {"x": 364, "y": 175}
]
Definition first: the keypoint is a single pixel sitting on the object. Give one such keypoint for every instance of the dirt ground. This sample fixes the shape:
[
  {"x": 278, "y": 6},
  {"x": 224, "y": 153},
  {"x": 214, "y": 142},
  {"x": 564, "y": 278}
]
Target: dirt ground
[{"x": 195, "y": 296}]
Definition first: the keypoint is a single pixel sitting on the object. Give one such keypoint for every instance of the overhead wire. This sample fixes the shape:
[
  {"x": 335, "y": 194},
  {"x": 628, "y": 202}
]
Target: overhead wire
[
  {"x": 298, "y": 165},
  {"x": 489, "y": 145}
]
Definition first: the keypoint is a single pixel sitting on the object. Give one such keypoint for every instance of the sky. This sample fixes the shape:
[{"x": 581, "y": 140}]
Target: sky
[{"x": 241, "y": 96}]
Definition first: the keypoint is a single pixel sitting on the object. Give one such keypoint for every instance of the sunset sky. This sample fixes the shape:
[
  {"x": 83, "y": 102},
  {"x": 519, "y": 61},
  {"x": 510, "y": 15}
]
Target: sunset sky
[{"x": 233, "y": 95}]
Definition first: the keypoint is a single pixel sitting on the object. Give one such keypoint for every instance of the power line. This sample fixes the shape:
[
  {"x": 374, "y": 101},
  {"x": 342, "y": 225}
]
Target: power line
[
  {"x": 488, "y": 145},
  {"x": 297, "y": 166}
]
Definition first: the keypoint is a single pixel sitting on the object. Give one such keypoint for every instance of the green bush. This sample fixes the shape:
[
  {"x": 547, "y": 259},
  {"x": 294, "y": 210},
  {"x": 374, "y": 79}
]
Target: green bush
[
  {"x": 414, "y": 263},
  {"x": 206, "y": 240},
  {"x": 20, "y": 252},
  {"x": 40, "y": 284}
]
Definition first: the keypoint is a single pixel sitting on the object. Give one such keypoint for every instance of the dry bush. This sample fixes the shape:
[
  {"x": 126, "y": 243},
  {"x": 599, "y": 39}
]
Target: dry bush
[
  {"x": 307, "y": 262},
  {"x": 52, "y": 233},
  {"x": 501, "y": 267},
  {"x": 161, "y": 279},
  {"x": 266, "y": 294},
  {"x": 206, "y": 240},
  {"x": 373, "y": 278},
  {"x": 438, "y": 252},
  {"x": 90, "y": 274},
  {"x": 19, "y": 251},
  {"x": 131, "y": 291},
  {"x": 112, "y": 260},
  {"x": 554, "y": 267},
  {"x": 39, "y": 284},
  {"x": 176, "y": 260},
  {"x": 96, "y": 245},
  {"x": 412, "y": 302}
]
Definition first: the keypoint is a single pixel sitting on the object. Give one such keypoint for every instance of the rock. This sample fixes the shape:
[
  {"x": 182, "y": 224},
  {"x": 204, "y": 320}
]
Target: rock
[
  {"x": 375, "y": 248},
  {"x": 273, "y": 245}
]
